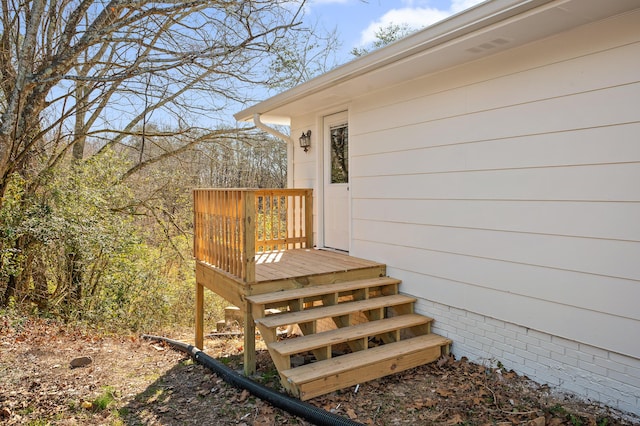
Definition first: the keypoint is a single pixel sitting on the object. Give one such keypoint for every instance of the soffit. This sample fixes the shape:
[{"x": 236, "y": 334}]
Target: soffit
[{"x": 477, "y": 33}]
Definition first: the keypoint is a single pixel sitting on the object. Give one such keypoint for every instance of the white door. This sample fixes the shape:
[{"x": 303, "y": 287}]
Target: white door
[{"x": 336, "y": 181}]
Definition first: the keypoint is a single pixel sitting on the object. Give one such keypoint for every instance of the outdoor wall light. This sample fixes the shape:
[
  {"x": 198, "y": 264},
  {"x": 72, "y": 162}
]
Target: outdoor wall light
[{"x": 305, "y": 140}]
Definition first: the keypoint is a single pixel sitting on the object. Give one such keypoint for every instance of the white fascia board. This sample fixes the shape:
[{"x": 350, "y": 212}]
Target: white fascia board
[{"x": 459, "y": 25}]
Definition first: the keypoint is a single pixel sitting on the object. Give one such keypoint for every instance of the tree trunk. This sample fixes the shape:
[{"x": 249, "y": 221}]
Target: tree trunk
[{"x": 10, "y": 291}]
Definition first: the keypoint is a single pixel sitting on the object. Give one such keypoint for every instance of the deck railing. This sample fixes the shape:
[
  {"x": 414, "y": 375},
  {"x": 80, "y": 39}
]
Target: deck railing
[{"x": 233, "y": 225}]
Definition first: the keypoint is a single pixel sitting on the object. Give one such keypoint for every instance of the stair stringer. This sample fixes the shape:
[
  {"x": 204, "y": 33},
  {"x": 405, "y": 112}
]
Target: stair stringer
[{"x": 406, "y": 340}]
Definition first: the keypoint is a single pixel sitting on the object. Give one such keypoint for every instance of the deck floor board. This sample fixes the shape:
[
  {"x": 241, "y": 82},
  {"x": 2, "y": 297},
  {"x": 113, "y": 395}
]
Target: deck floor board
[{"x": 304, "y": 262}]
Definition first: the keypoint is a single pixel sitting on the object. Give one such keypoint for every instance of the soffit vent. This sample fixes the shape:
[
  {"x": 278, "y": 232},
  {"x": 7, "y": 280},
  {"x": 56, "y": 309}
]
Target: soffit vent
[{"x": 498, "y": 42}]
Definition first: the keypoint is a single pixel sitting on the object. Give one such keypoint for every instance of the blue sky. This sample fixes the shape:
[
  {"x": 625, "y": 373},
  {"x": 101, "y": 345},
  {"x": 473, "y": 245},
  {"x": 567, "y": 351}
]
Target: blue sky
[{"x": 357, "y": 20}]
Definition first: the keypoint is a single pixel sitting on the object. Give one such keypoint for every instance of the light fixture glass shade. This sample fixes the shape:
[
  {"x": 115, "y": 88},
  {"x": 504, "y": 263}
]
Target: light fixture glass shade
[{"x": 305, "y": 140}]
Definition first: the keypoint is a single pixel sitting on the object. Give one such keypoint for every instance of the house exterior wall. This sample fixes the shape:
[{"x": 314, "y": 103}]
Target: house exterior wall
[
  {"x": 505, "y": 193},
  {"x": 304, "y": 171},
  {"x": 302, "y": 166}
]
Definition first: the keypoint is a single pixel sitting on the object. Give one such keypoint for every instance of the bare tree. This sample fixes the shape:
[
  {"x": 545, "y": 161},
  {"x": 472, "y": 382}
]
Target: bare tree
[
  {"x": 70, "y": 70},
  {"x": 108, "y": 73}
]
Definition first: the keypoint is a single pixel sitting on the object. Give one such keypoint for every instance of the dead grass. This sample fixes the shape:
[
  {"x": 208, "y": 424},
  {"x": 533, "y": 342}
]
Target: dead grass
[{"x": 135, "y": 382}]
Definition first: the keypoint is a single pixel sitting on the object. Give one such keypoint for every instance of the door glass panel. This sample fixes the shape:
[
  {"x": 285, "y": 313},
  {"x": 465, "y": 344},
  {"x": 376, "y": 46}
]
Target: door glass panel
[{"x": 340, "y": 154}]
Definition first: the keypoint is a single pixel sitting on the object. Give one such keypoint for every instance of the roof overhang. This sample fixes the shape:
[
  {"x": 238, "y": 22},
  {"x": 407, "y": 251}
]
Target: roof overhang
[{"x": 483, "y": 30}]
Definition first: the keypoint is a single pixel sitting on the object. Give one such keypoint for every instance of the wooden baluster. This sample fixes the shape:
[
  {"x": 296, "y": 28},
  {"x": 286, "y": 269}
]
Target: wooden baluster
[
  {"x": 249, "y": 252},
  {"x": 308, "y": 217}
]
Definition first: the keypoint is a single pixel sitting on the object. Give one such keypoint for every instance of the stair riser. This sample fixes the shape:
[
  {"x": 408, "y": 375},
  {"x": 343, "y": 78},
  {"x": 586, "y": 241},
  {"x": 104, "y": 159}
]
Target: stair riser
[
  {"x": 413, "y": 326},
  {"x": 364, "y": 373},
  {"x": 397, "y": 305}
]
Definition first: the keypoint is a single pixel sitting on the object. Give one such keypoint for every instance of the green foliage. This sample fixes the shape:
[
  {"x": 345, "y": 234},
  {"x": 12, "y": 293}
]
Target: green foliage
[
  {"x": 558, "y": 409},
  {"x": 104, "y": 399},
  {"x": 95, "y": 206},
  {"x": 82, "y": 222},
  {"x": 11, "y": 218},
  {"x": 575, "y": 420},
  {"x": 84, "y": 244},
  {"x": 384, "y": 36}
]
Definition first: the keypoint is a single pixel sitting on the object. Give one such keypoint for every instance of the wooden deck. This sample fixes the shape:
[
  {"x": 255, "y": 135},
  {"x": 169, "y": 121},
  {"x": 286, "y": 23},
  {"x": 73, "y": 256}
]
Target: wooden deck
[
  {"x": 295, "y": 264},
  {"x": 286, "y": 270},
  {"x": 277, "y": 271},
  {"x": 253, "y": 247}
]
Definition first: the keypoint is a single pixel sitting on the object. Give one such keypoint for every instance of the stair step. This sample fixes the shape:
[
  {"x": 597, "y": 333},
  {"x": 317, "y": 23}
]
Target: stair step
[
  {"x": 319, "y": 290},
  {"x": 331, "y": 374},
  {"x": 342, "y": 335},
  {"x": 280, "y": 320}
]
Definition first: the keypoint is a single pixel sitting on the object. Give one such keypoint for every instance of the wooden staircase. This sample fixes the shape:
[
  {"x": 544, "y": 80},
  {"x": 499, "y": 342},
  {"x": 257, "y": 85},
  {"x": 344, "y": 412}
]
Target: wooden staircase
[{"x": 366, "y": 318}]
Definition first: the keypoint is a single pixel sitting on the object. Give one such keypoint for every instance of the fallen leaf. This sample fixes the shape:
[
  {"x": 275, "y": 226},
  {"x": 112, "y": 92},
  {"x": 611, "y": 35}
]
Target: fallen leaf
[
  {"x": 510, "y": 375},
  {"x": 243, "y": 396},
  {"x": 430, "y": 403},
  {"x": 539, "y": 421},
  {"x": 86, "y": 405},
  {"x": 417, "y": 404},
  {"x": 555, "y": 421},
  {"x": 352, "y": 414},
  {"x": 5, "y": 413},
  {"x": 445, "y": 393},
  {"x": 262, "y": 421},
  {"x": 455, "y": 420}
]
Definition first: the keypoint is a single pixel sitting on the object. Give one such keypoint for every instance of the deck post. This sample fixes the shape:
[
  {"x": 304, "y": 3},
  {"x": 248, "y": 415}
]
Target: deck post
[
  {"x": 249, "y": 257},
  {"x": 199, "y": 340},
  {"x": 249, "y": 341}
]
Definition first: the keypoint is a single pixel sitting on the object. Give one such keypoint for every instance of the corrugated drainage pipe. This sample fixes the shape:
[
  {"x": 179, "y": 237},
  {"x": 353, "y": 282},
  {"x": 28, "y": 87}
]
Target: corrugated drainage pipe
[{"x": 294, "y": 406}]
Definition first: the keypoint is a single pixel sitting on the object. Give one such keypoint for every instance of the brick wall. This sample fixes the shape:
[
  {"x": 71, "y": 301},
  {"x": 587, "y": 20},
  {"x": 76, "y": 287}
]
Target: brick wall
[{"x": 568, "y": 366}]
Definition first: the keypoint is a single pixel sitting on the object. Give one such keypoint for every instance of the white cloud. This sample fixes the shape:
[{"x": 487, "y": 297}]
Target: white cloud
[
  {"x": 328, "y": 2},
  {"x": 413, "y": 15},
  {"x": 460, "y": 5}
]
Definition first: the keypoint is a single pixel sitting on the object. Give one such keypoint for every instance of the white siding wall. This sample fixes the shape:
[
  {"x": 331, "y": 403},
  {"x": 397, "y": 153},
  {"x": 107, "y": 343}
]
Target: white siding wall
[
  {"x": 509, "y": 189},
  {"x": 303, "y": 167},
  {"x": 304, "y": 164}
]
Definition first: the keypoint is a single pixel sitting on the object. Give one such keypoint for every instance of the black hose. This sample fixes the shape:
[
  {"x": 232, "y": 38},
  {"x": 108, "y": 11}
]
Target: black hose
[{"x": 294, "y": 406}]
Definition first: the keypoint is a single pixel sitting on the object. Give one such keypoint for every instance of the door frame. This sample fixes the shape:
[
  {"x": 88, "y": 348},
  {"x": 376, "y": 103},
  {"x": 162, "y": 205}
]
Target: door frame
[{"x": 320, "y": 179}]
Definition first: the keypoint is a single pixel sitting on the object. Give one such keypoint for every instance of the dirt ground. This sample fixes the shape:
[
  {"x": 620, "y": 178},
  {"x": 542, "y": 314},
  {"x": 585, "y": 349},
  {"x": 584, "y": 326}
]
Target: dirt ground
[{"x": 131, "y": 381}]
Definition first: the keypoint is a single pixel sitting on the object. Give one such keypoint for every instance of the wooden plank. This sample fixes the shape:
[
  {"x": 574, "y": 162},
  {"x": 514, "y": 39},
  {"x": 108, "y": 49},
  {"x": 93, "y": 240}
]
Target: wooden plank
[
  {"x": 269, "y": 286},
  {"x": 199, "y": 338},
  {"x": 308, "y": 219},
  {"x": 320, "y": 290},
  {"x": 249, "y": 354},
  {"x": 249, "y": 241},
  {"x": 279, "y": 320},
  {"x": 301, "y": 263},
  {"x": 221, "y": 283},
  {"x": 341, "y": 335},
  {"x": 336, "y": 373}
]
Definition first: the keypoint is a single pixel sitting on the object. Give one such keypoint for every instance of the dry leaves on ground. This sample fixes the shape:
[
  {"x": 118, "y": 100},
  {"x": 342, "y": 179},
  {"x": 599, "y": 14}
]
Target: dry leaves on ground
[{"x": 130, "y": 381}]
